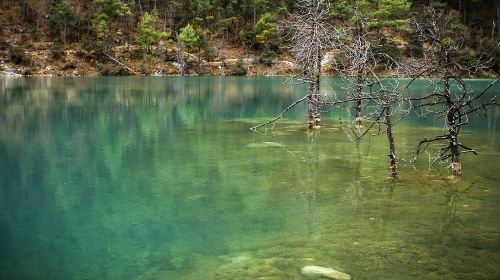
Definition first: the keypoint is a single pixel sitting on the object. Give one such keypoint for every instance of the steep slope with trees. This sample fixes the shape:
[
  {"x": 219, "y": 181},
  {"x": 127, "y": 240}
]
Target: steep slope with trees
[{"x": 68, "y": 37}]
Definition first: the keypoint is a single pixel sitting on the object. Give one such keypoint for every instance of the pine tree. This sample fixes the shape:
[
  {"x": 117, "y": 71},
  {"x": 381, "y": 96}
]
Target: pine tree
[
  {"x": 148, "y": 35},
  {"x": 191, "y": 39},
  {"x": 266, "y": 31},
  {"x": 107, "y": 14},
  {"x": 61, "y": 18},
  {"x": 385, "y": 13}
]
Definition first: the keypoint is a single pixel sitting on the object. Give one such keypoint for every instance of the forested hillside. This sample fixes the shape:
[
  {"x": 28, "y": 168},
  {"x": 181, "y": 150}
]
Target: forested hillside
[{"x": 214, "y": 37}]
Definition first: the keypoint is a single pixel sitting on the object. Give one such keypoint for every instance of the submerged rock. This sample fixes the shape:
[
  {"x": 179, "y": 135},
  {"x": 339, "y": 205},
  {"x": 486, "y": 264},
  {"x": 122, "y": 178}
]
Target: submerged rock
[
  {"x": 265, "y": 145},
  {"x": 274, "y": 145},
  {"x": 256, "y": 145},
  {"x": 241, "y": 258},
  {"x": 323, "y": 272}
]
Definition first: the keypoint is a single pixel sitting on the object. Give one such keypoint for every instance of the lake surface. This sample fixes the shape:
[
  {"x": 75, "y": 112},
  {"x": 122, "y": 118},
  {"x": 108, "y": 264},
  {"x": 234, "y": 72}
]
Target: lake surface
[{"x": 160, "y": 178}]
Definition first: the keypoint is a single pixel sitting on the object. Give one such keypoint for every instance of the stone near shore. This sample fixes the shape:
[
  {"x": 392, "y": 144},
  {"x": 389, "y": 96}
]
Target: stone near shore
[{"x": 324, "y": 272}]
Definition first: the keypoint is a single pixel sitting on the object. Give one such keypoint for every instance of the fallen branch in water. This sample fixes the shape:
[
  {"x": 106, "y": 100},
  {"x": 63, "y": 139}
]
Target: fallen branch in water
[{"x": 254, "y": 128}]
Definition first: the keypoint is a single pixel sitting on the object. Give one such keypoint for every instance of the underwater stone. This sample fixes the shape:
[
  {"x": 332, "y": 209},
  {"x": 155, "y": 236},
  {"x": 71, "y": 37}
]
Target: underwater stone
[
  {"x": 265, "y": 145},
  {"x": 324, "y": 272},
  {"x": 256, "y": 145},
  {"x": 240, "y": 259},
  {"x": 274, "y": 145}
]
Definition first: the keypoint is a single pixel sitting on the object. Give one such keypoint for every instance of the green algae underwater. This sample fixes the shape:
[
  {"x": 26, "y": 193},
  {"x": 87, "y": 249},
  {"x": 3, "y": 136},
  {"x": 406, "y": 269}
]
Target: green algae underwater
[{"x": 160, "y": 178}]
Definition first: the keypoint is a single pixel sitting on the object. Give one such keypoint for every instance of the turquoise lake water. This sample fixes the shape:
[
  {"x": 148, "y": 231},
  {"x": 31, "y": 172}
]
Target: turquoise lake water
[{"x": 160, "y": 178}]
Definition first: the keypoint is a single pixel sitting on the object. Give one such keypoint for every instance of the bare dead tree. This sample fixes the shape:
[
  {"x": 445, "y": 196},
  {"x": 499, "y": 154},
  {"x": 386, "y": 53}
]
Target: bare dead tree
[
  {"x": 360, "y": 61},
  {"x": 386, "y": 104},
  {"x": 451, "y": 98},
  {"x": 381, "y": 99},
  {"x": 392, "y": 105},
  {"x": 310, "y": 35}
]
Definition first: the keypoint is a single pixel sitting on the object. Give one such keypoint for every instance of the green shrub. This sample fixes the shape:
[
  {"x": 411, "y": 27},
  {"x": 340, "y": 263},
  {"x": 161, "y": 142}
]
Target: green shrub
[
  {"x": 248, "y": 39},
  {"x": 112, "y": 70},
  {"x": 208, "y": 54},
  {"x": 150, "y": 57},
  {"x": 27, "y": 72},
  {"x": 239, "y": 68},
  {"x": 267, "y": 56},
  {"x": 80, "y": 53},
  {"x": 145, "y": 70},
  {"x": 69, "y": 66},
  {"x": 93, "y": 47},
  {"x": 18, "y": 56},
  {"x": 57, "y": 51}
]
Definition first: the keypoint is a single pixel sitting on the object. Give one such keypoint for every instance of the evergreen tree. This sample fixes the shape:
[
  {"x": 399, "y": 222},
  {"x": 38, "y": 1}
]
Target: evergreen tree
[
  {"x": 61, "y": 18},
  {"x": 203, "y": 9},
  {"x": 191, "y": 39},
  {"x": 107, "y": 14},
  {"x": 385, "y": 13},
  {"x": 266, "y": 31},
  {"x": 148, "y": 35}
]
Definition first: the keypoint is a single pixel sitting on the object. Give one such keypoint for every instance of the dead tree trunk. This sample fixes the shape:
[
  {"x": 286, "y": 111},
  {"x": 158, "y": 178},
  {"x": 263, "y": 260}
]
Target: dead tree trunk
[
  {"x": 361, "y": 47},
  {"x": 390, "y": 138},
  {"x": 361, "y": 59},
  {"x": 357, "y": 104},
  {"x": 119, "y": 63},
  {"x": 314, "y": 98},
  {"x": 254, "y": 13},
  {"x": 456, "y": 167},
  {"x": 317, "y": 96},
  {"x": 452, "y": 124},
  {"x": 199, "y": 61},
  {"x": 310, "y": 106}
]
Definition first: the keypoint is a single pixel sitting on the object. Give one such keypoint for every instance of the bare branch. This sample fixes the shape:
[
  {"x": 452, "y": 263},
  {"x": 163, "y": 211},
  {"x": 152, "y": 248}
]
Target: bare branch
[
  {"x": 254, "y": 128},
  {"x": 426, "y": 142}
]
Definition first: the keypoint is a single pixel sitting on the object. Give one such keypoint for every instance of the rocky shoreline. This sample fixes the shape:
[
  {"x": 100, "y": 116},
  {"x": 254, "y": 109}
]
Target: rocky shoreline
[
  {"x": 126, "y": 61},
  {"x": 75, "y": 63},
  {"x": 280, "y": 68}
]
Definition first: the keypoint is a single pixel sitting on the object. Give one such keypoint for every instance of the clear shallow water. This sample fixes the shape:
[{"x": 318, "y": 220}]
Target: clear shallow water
[{"x": 160, "y": 178}]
